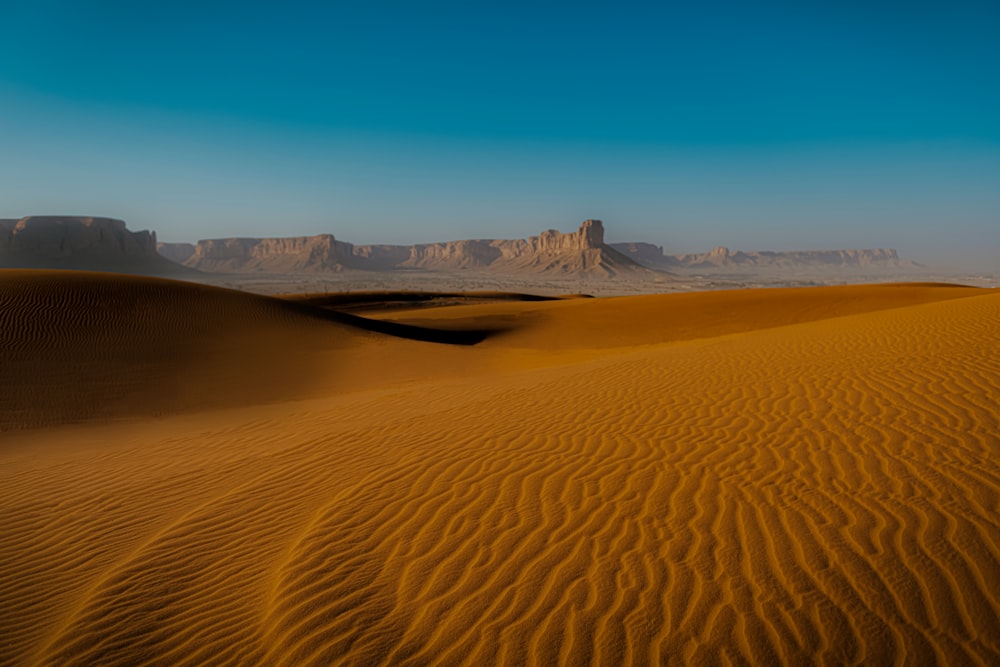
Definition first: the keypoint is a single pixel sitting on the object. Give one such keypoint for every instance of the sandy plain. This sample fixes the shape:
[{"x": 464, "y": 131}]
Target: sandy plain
[{"x": 191, "y": 475}]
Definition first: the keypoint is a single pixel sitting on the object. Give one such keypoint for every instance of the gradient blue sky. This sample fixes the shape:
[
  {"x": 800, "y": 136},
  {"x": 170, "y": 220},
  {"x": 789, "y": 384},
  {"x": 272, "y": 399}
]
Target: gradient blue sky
[{"x": 757, "y": 125}]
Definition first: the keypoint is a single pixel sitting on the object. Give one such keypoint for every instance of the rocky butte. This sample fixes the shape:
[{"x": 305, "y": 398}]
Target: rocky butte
[
  {"x": 551, "y": 252},
  {"x": 94, "y": 243},
  {"x": 78, "y": 242}
]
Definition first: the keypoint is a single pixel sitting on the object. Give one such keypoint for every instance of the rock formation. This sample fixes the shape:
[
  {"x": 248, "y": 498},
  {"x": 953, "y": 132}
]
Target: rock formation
[
  {"x": 70, "y": 242},
  {"x": 724, "y": 259},
  {"x": 583, "y": 251},
  {"x": 273, "y": 255},
  {"x": 75, "y": 242},
  {"x": 580, "y": 252},
  {"x": 176, "y": 252},
  {"x": 646, "y": 254}
]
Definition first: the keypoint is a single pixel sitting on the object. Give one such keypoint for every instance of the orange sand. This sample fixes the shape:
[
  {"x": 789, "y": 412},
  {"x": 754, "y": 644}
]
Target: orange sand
[{"x": 195, "y": 476}]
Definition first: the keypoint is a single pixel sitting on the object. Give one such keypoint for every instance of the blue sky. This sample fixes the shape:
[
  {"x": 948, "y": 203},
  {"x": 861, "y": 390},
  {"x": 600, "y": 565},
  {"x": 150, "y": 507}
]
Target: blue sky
[{"x": 766, "y": 125}]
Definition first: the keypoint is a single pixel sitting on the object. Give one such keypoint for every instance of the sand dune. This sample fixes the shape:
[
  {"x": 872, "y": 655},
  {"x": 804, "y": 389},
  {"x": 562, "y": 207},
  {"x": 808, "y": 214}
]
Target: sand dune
[
  {"x": 753, "y": 477},
  {"x": 80, "y": 346},
  {"x": 655, "y": 319}
]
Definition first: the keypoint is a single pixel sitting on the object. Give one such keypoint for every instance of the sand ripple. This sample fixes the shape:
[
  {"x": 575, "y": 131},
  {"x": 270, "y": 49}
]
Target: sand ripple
[{"x": 825, "y": 491}]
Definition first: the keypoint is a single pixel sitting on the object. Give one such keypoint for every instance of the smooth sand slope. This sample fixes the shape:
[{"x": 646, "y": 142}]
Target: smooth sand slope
[
  {"x": 741, "y": 477},
  {"x": 78, "y": 346}
]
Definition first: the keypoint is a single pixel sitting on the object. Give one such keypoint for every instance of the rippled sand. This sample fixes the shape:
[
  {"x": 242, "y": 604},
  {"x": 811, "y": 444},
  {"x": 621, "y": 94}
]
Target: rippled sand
[{"x": 195, "y": 476}]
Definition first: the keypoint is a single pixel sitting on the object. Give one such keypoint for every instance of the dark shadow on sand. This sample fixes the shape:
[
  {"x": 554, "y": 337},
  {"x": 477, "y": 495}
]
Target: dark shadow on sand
[
  {"x": 425, "y": 334},
  {"x": 459, "y": 336},
  {"x": 342, "y": 308},
  {"x": 386, "y": 301}
]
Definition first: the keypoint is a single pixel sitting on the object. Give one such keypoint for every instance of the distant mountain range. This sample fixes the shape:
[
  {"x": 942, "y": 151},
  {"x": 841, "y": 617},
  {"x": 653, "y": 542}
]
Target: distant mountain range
[
  {"x": 73, "y": 242},
  {"x": 726, "y": 260},
  {"x": 581, "y": 253}
]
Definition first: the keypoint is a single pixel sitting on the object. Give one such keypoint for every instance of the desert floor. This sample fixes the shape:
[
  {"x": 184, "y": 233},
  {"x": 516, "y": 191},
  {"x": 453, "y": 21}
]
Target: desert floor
[{"x": 191, "y": 475}]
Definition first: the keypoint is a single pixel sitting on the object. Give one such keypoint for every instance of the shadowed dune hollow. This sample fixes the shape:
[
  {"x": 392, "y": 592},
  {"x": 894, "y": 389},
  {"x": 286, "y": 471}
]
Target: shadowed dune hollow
[
  {"x": 191, "y": 475},
  {"x": 81, "y": 345}
]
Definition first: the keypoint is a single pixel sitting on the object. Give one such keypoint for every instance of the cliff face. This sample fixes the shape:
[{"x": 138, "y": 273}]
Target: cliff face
[
  {"x": 474, "y": 254},
  {"x": 535, "y": 251},
  {"x": 724, "y": 259},
  {"x": 582, "y": 251},
  {"x": 274, "y": 255},
  {"x": 590, "y": 236},
  {"x": 72, "y": 242}
]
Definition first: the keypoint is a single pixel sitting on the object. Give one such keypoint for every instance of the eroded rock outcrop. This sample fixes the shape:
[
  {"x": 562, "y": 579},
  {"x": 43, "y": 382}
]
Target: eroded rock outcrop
[
  {"x": 723, "y": 259},
  {"x": 78, "y": 242},
  {"x": 583, "y": 251},
  {"x": 272, "y": 255}
]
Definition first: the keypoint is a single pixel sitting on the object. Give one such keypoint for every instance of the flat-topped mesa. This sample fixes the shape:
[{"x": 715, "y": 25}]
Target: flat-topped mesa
[
  {"x": 271, "y": 255},
  {"x": 496, "y": 252},
  {"x": 582, "y": 252},
  {"x": 78, "y": 242},
  {"x": 724, "y": 259},
  {"x": 468, "y": 254},
  {"x": 65, "y": 236},
  {"x": 579, "y": 252},
  {"x": 247, "y": 248},
  {"x": 871, "y": 255}
]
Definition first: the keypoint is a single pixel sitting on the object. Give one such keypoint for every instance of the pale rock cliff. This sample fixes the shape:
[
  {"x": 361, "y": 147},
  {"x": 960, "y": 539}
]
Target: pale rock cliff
[
  {"x": 724, "y": 259},
  {"x": 272, "y": 255},
  {"x": 582, "y": 252}
]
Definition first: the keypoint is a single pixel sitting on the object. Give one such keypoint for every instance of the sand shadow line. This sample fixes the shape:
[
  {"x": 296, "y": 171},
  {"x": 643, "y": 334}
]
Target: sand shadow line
[{"x": 399, "y": 330}]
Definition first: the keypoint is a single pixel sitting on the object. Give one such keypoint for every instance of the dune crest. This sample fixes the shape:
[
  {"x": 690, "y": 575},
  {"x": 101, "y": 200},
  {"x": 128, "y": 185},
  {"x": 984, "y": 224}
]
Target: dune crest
[
  {"x": 823, "y": 490},
  {"x": 78, "y": 346}
]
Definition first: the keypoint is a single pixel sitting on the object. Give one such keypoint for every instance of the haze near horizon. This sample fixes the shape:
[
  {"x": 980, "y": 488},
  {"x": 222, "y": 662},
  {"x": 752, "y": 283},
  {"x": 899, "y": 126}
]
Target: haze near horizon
[{"x": 780, "y": 126}]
